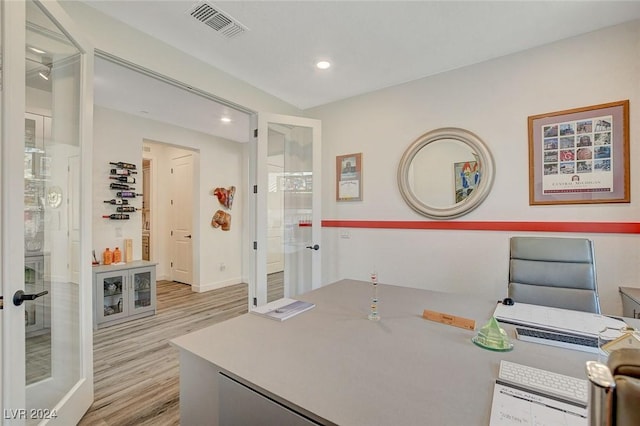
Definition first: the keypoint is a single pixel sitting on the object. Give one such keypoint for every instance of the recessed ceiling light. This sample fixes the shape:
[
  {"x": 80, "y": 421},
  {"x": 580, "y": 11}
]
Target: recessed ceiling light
[
  {"x": 36, "y": 50},
  {"x": 45, "y": 74},
  {"x": 323, "y": 65},
  {"x": 225, "y": 120}
]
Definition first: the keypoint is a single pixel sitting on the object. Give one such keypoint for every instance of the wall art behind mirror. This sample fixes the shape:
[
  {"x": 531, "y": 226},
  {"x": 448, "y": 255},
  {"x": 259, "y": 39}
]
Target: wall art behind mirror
[
  {"x": 446, "y": 173},
  {"x": 580, "y": 156}
]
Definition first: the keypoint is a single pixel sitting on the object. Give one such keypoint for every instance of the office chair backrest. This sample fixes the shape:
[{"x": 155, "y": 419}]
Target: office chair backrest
[
  {"x": 614, "y": 396},
  {"x": 555, "y": 272}
]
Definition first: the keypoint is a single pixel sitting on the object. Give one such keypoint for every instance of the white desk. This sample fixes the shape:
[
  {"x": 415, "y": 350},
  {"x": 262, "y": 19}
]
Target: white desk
[{"x": 334, "y": 366}]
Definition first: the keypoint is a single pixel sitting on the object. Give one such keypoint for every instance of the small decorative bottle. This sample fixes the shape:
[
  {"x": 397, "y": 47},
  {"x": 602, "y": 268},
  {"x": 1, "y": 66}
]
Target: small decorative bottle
[
  {"x": 373, "y": 315},
  {"x": 120, "y": 305},
  {"x": 107, "y": 256},
  {"x": 117, "y": 255}
]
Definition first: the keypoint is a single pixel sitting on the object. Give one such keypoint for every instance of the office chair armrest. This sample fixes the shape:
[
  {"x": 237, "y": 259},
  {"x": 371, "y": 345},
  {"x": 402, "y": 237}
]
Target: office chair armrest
[{"x": 625, "y": 362}]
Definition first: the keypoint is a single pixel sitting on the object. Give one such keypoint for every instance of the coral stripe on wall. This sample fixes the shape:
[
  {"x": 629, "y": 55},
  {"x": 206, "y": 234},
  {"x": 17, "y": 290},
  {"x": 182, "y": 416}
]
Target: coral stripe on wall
[{"x": 583, "y": 227}]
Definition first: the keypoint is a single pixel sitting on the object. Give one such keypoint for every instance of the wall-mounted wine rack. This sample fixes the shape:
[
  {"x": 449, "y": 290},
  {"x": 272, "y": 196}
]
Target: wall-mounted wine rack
[{"x": 122, "y": 173}]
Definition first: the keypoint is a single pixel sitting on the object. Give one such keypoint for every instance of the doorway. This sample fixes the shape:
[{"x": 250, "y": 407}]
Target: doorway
[
  {"x": 288, "y": 152},
  {"x": 169, "y": 208},
  {"x": 161, "y": 113}
]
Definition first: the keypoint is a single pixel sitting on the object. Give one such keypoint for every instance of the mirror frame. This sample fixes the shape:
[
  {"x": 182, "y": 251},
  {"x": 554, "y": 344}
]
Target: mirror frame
[{"x": 468, "y": 204}]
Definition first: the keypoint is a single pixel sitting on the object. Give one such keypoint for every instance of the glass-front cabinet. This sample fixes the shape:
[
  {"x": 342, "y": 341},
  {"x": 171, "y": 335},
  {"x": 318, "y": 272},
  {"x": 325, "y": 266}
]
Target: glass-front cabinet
[
  {"x": 111, "y": 291},
  {"x": 124, "y": 292},
  {"x": 36, "y": 312},
  {"x": 142, "y": 294}
]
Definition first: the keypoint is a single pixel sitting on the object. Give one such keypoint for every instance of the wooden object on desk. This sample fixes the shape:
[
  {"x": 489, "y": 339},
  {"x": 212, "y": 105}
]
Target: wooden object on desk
[
  {"x": 448, "y": 319},
  {"x": 128, "y": 250}
]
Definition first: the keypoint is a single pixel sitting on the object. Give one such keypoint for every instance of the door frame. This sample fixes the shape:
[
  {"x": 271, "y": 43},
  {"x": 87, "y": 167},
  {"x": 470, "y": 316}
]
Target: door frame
[
  {"x": 258, "y": 289},
  {"x": 78, "y": 399}
]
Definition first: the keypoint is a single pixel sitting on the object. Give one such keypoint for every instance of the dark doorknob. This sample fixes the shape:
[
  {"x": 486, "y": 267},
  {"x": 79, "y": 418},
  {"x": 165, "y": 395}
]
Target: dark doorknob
[
  {"x": 21, "y": 296},
  {"x": 314, "y": 247},
  {"x": 188, "y": 236}
]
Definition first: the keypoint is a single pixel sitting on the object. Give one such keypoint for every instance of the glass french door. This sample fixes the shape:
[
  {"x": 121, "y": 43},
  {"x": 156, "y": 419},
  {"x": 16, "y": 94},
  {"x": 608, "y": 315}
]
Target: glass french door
[
  {"x": 46, "y": 344},
  {"x": 288, "y": 226}
]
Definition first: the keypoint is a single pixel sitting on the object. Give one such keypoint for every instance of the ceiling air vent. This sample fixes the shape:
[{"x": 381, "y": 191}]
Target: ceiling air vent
[{"x": 216, "y": 19}]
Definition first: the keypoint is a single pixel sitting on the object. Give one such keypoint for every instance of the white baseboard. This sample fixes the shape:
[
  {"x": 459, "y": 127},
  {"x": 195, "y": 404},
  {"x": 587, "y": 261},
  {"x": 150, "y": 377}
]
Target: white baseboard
[{"x": 213, "y": 286}]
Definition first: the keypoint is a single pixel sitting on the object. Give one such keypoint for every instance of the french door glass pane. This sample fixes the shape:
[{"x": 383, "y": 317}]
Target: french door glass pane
[
  {"x": 289, "y": 210},
  {"x": 51, "y": 199}
]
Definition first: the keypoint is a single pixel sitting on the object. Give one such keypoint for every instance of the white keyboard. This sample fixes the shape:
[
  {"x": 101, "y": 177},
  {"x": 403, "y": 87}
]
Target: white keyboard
[{"x": 545, "y": 382}]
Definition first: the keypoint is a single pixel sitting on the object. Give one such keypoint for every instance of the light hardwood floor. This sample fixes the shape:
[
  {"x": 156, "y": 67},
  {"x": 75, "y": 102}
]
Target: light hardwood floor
[{"x": 136, "y": 376}]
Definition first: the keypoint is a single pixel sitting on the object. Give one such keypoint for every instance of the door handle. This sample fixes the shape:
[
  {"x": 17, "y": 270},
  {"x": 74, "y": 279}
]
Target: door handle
[
  {"x": 21, "y": 296},
  {"x": 314, "y": 247},
  {"x": 188, "y": 236}
]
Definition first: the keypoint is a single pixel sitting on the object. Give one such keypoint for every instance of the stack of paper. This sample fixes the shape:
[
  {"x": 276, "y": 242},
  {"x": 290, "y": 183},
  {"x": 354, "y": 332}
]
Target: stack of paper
[
  {"x": 512, "y": 406},
  {"x": 282, "y": 309}
]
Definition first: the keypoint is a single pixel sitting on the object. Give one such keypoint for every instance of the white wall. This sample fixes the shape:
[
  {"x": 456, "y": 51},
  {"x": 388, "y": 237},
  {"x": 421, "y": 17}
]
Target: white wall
[
  {"x": 219, "y": 162},
  {"x": 493, "y": 100}
]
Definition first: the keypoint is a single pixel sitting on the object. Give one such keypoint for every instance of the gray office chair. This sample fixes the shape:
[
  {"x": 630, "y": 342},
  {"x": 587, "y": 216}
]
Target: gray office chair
[
  {"x": 555, "y": 272},
  {"x": 614, "y": 389}
]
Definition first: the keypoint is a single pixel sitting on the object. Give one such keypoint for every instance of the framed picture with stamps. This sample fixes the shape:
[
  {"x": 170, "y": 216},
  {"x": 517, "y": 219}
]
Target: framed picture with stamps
[{"x": 580, "y": 156}]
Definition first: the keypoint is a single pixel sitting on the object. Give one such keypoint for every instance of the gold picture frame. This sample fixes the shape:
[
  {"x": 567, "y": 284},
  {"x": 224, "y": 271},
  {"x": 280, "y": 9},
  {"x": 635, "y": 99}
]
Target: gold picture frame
[
  {"x": 349, "y": 177},
  {"x": 580, "y": 156}
]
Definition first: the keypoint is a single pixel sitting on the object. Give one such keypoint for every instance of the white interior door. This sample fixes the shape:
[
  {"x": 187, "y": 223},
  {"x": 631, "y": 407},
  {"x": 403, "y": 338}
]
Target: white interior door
[
  {"x": 46, "y": 341},
  {"x": 294, "y": 144},
  {"x": 181, "y": 219}
]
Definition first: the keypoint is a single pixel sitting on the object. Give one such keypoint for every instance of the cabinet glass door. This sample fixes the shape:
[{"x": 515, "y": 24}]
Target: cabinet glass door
[
  {"x": 113, "y": 296},
  {"x": 34, "y": 283},
  {"x": 142, "y": 292}
]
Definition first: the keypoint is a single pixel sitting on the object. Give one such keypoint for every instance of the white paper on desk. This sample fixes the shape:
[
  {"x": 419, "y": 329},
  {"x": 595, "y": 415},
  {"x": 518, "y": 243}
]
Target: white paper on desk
[
  {"x": 282, "y": 309},
  {"x": 512, "y": 406},
  {"x": 555, "y": 318}
]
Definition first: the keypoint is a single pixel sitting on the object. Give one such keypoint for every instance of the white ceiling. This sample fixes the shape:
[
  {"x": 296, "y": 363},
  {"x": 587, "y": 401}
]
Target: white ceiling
[{"x": 372, "y": 45}]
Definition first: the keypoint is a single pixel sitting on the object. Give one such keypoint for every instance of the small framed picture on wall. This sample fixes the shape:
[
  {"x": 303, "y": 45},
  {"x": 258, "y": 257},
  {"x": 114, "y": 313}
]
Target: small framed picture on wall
[{"x": 349, "y": 177}]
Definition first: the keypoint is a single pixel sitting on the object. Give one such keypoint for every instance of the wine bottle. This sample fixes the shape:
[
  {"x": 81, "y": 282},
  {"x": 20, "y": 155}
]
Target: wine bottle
[
  {"x": 126, "y": 209},
  {"x": 126, "y": 179},
  {"x": 119, "y": 186},
  {"x": 116, "y": 216},
  {"x": 127, "y": 194},
  {"x": 123, "y": 165},
  {"x": 123, "y": 172},
  {"x": 117, "y": 201}
]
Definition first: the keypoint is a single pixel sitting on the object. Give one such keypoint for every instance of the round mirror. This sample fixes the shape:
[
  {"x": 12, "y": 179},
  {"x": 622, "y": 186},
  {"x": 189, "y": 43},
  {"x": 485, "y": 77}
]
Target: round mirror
[{"x": 445, "y": 173}]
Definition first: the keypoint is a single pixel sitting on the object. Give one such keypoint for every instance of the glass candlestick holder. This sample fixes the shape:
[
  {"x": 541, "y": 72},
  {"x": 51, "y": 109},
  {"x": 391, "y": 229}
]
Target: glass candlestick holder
[{"x": 374, "y": 315}]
